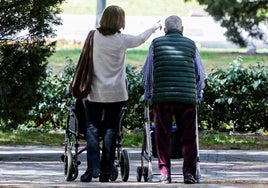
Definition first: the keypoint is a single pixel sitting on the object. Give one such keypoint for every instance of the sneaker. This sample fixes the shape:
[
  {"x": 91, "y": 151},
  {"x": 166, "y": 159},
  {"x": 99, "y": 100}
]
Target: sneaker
[
  {"x": 189, "y": 178},
  {"x": 165, "y": 179}
]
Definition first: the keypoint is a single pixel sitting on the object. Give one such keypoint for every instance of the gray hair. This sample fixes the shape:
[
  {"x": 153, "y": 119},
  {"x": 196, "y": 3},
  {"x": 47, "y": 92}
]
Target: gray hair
[{"x": 173, "y": 22}]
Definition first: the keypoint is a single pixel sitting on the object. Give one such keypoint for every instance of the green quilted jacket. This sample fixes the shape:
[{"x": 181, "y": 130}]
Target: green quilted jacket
[{"x": 174, "y": 72}]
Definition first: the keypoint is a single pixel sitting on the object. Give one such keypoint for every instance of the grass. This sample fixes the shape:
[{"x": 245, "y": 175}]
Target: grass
[
  {"x": 59, "y": 59},
  {"x": 212, "y": 59},
  {"x": 134, "y": 139},
  {"x": 237, "y": 141},
  {"x": 214, "y": 141},
  {"x": 31, "y": 138}
]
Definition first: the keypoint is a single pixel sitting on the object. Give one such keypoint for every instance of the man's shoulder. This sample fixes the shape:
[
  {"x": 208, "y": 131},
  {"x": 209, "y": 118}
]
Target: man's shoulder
[
  {"x": 159, "y": 38},
  {"x": 187, "y": 38},
  {"x": 179, "y": 37}
]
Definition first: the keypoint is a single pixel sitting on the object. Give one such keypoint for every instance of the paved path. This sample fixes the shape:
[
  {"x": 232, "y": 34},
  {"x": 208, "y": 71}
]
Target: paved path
[
  {"x": 204, "y": 30},
  {"x": 40, "y": 166}
]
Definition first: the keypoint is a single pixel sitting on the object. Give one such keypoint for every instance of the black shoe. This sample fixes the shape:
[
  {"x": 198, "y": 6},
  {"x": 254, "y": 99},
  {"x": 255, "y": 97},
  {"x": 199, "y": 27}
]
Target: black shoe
[
  {"x": 189, "y": 178},
  {"x": 166, "y": 179},
  {"x": 86, "y": 177},
  {"x": 104, "y": 177}
]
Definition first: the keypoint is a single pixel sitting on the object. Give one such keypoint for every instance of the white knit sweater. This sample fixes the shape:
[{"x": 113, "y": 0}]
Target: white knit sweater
[{"x": 109, "y": 82}]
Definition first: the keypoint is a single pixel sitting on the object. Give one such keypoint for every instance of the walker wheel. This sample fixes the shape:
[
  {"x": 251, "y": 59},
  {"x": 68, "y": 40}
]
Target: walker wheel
[
  {"x": 139, "y": 174},
  {"x": 145, "y": 174},
  {"x": 124, "y": 165},
  {"x": 70, "y": 170},
  {"x": 114, "y": 174}
]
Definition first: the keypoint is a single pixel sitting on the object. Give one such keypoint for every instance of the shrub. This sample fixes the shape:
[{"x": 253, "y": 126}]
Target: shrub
[
  {"x": 135, "y": 114},
  {"x": 51, "y": 111},
  {"x": 22, "y": 67},
  {"x": 25, "y": 27},
  {"x": 236, "y": 98}
]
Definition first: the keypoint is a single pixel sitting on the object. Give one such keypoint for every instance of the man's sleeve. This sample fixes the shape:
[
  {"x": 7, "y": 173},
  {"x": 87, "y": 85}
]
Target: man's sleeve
[
  {"x": 147, "y": 74},
  {"x": 200, "y": 75}
]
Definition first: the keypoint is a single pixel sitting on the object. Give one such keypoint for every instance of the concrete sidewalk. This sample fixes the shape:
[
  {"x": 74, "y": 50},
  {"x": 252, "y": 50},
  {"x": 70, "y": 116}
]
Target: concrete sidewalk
[
  {"x": 219, "y": 168},
  {"x": 204, "y": 30}
]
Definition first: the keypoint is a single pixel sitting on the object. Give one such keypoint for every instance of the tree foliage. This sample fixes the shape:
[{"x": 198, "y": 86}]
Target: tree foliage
[
  {"x": 239, "y": 17},
  {"x": 26, "y": 26}
]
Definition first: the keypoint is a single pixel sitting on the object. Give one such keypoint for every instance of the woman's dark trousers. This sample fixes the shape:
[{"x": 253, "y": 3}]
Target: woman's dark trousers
[{"x": 102, "y": 122}]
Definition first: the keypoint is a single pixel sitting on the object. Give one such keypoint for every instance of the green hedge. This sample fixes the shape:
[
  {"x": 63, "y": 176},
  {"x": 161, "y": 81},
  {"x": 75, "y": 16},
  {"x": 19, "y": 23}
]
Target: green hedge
[
  {"x": 234, "y": 99},
  {"x": 51, "y": 112}
]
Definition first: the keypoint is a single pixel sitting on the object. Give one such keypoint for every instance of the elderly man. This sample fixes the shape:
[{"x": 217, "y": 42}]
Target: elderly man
[{"x": 173, "y": 79}]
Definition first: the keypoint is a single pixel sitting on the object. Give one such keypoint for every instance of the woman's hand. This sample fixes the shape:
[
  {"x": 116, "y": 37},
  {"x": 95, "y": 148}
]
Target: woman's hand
[{"x": 157, "y": 26}]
